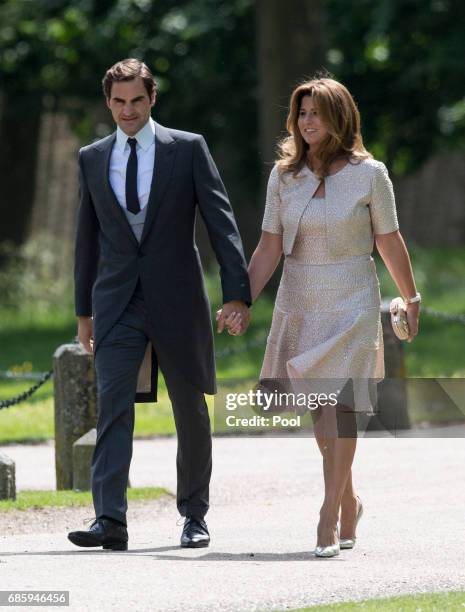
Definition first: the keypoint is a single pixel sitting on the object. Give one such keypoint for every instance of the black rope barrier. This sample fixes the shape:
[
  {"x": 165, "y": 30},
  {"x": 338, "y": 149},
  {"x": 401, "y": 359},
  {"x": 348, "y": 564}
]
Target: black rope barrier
[
  {"x": 42, "y": 377},
  {"x": 26, "y": 394},
  {"x": 21, "y": 397}
]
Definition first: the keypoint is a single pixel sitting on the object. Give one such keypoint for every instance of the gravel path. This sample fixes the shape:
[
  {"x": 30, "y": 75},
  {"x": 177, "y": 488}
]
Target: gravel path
[{"x": 265, "y": 498}]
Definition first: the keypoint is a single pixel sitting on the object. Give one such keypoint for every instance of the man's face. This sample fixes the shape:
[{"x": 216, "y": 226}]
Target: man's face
[{"x": 130, "y": 105}]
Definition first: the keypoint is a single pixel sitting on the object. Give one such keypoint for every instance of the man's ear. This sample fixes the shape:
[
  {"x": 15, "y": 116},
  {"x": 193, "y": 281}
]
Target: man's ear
[
  {"x": 154, "y": 99},
  {"x": 107, "y": 100}
]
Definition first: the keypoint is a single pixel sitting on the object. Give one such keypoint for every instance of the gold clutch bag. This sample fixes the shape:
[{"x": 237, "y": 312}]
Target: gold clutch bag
[{"x": 399, "y": 321}]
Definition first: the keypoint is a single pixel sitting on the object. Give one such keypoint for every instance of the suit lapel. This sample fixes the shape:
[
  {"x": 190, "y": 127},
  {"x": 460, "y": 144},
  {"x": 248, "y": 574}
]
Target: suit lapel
[
  {"x": 106, "y": 147},
  {"x": 165, "y": 148}
]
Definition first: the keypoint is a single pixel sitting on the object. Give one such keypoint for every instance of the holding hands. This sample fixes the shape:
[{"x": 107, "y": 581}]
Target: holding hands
[{"x": 235, "y": 316}]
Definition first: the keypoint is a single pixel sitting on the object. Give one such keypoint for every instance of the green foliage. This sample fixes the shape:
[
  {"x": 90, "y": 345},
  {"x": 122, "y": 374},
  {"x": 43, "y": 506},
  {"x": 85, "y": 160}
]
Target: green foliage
[
  {"x": 406, "y": 75},
  {"x": 31, "y": 276},
  {"x": 201, "y": 52},
  {"x": 439, "y": 274},
  {"x": 403, "y": 62}
]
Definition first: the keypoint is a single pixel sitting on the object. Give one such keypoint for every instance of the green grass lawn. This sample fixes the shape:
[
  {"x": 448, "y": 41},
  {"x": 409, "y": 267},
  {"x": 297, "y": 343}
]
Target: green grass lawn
[
  {"x": 26, "y": 500},
  {"x": 28, "y": 340},
  {"x": 431, "y": 602}
]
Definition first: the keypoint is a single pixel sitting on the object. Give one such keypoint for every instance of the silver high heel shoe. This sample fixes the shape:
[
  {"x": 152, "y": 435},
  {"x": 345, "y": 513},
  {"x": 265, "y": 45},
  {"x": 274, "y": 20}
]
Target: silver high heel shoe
[
  {"x": 347, "y": 543},
  {"x": 328, "y": 551}
]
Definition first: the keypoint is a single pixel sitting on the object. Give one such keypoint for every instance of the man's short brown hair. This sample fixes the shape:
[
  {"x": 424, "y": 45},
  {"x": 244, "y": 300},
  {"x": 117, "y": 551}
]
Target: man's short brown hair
[{"x": 127, "y": 70}]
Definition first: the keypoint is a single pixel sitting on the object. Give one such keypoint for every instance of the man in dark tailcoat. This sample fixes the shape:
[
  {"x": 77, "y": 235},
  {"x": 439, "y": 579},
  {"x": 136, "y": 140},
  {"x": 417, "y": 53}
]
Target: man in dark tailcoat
[{"x": 140, "y": 295}]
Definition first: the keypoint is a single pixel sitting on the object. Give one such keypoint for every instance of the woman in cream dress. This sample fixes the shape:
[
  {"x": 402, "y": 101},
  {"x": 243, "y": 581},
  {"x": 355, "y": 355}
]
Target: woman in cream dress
[{"x": 328, "y": 202}]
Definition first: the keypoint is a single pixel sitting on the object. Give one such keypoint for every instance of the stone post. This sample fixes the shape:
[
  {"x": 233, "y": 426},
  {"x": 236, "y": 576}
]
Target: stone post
[
  {"x": 7, "y": 477},
  {"x": 75, "y": 405},
  {"x": 83, "y": 450}
]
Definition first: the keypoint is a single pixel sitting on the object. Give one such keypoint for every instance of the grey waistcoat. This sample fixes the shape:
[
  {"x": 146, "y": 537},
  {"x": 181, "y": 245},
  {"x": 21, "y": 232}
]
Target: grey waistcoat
[{"x": 136, "y": 221}]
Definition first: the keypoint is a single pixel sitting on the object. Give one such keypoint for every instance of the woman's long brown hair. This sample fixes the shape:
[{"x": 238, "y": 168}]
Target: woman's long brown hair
[{"x": 339, "y": 113}]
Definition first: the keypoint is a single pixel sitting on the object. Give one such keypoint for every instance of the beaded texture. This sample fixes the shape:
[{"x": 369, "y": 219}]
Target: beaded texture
[{"x": 326, "y": 325}]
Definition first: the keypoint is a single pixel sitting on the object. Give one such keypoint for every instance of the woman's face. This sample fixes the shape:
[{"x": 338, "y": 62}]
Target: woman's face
[{"x": 310, "y": 125}]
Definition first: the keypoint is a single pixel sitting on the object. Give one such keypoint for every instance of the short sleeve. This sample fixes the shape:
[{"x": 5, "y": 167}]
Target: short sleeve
[
  {"x": 383, "y": 205},
  {"x": 271, "y": 218}
]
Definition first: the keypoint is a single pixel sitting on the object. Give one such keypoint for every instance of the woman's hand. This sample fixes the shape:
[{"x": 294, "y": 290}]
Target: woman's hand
[
  {"x": 413, "y": 315},
  {"x": 392, "y": 249},
  {"x": 235, "y": 316},
  {"x": 235, "y": 323}
]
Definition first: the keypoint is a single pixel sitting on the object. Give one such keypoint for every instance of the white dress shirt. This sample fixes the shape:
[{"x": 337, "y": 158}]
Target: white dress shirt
[{"x": 145, "y": 150}]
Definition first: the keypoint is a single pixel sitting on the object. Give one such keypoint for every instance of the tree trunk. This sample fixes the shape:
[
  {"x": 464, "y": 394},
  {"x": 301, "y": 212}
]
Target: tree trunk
[
  {"x": 291, "y": 47},
  {"x": 19, "y": 135}
]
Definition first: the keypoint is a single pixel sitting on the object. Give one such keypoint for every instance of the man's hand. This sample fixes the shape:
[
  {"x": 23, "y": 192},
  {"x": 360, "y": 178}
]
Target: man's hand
[
  {"x": 85, "y": 331},
  {"x": 235, "y": 316}
]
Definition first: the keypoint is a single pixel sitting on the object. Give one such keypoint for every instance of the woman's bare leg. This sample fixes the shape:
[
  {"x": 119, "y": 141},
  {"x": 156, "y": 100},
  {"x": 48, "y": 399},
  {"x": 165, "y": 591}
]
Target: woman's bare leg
[
  {"x": 349, "y": 503},
  {"x": 349, "y": 509},
  {"x": 334, "y": 431},
  {"x": 349, "y": 496},
  {"x": 326, "y": 531}
]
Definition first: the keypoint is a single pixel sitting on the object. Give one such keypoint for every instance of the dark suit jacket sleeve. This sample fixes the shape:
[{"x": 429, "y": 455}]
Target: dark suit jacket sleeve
[
  {"x": 221, "y": 225},
  {"x": 86, "y": 253}
]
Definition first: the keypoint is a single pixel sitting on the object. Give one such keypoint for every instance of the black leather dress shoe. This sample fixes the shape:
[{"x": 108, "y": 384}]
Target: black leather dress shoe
[
  {"x": 103, "y": 532},
  {"x": 195, "y": 533}
]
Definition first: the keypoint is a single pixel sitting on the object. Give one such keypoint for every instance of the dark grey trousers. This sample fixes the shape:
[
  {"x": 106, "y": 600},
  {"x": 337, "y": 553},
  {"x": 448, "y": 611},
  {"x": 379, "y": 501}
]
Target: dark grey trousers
[{"x": 117, "y": 364}]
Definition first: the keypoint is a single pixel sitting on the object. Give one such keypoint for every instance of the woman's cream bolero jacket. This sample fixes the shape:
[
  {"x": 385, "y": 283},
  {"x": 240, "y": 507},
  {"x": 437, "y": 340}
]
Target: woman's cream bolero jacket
[{"x": 359, "y": 204}]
